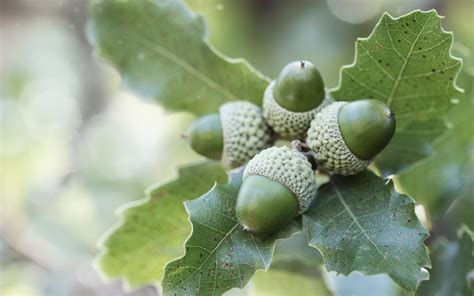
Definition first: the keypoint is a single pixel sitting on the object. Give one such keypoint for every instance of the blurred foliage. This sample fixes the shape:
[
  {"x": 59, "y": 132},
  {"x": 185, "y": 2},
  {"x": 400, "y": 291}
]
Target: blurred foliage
[
  {"x": 444, "y": 182},
  {"x": 144, "y": 41},
  {"x": 452, "y": 263},
  {"x": 75, "y": 145}
]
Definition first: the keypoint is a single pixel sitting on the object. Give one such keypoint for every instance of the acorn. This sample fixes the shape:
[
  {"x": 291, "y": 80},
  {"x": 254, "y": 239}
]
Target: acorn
[
  {"x": 278, "y": 185},
  {"x": 234, "y": 135},
  {"x": 346, "y": 136},
  {"x": 292, "y": 100}
]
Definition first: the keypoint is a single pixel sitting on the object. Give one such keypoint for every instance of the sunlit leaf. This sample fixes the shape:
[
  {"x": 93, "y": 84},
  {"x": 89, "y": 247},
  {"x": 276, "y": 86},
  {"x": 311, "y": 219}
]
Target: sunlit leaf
[
  {"x": 161, "y": 50},
  {"x": 152, "y": 230},
  {"x": 284, "y": 283},
  {"x": 359, "y": 284}
]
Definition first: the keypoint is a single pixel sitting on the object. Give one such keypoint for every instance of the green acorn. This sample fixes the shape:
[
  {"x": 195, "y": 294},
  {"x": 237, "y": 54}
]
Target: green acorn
[
  {"x": 234, "y": 135},
  {"x": 293, "y": 99},
  {"x": 278, "y": 184},
  {"x": 346, "y": 136}
]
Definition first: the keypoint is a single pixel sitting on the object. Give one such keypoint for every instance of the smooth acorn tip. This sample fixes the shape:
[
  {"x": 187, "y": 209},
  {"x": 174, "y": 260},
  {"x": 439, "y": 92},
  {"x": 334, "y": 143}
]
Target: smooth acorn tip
[
  {"x": 205, "y": 136},
  {"x": 299, "y": 87},
  {"x": 265, "y": 206},
  {"x": 367, "y": 126}
]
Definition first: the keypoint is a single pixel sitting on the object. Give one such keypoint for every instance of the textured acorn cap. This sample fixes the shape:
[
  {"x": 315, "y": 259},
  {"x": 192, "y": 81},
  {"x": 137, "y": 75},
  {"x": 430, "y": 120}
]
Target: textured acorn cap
[
  {"x": 325, "y": 139},
  {"x": 288, "y": 167},
  {"x": 245, "y": 132},
  {"x": 286, "y": 123}
]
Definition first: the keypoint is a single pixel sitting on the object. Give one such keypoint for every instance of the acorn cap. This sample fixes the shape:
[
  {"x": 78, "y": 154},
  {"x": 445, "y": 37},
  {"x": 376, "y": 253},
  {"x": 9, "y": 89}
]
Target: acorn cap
[
  {"x": 205, "y": 136},
  {"x": 245, "y": 132},
  {"x": 326, "y": 141},
  {"x": 288, "y": 167},
  {"x": 367, "y": 126},
  {"x": 286, "y": 123},
  {"x": 299, "y": 87}
]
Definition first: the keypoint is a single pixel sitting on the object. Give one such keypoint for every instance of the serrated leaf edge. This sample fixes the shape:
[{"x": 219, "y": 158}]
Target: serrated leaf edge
[
  {"x": 216, "y": 186},
  {"x": 386, "y": 14},
  {"x": 119, "y": 212},
  {"x": 423, "y": 238}
]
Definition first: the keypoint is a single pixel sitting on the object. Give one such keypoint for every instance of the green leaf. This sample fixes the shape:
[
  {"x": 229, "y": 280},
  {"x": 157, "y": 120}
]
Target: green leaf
[
  {"x": 161, "y": 50},
  {"x": 220, "y": 255},
  {"x": 405, "y": 62},
  {"x": 361, "y": 223},
  {"x": 444, "y": 180},
  {"x": 452, "y": 262},
  {"x": 151, "y": 231}
]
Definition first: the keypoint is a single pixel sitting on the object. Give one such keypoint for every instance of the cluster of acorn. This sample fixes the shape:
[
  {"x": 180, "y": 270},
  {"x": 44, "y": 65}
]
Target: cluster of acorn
[{"x": 279, "y": 183}]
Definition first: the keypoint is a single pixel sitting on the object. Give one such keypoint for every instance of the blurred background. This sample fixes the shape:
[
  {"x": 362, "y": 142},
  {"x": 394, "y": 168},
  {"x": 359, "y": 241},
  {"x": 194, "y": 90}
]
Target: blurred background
[{"x": 75, "y": 144}]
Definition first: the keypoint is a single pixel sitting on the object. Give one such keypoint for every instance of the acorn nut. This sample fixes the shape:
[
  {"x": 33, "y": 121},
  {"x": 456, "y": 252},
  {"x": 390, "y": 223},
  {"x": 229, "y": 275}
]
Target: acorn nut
[
  {"x": 346, "y": 136},
  {"x": 234, "y": 135},
  {"x": 292, "y": 100},
  {"x": 278, "y": 184}
]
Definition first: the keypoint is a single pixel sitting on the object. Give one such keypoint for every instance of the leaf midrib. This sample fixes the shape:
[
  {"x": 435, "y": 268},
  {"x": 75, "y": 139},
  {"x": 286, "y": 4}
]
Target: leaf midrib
[
  {"x": 186, "y": 66},
  {"x": 354, "y": 218},
  {"x": 210, "y": 255}
]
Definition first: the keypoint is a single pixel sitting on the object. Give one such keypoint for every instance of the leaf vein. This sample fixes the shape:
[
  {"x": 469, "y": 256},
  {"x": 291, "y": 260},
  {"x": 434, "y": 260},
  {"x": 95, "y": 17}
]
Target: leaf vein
[
  {"x": 341, "y": 199},
  {"x": 402, "y": 69},
  {"x": 207, "y": 258}
]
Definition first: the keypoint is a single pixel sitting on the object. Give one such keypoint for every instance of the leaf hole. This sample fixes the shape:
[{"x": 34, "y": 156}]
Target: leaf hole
[{"x": 424, "y": 56}]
